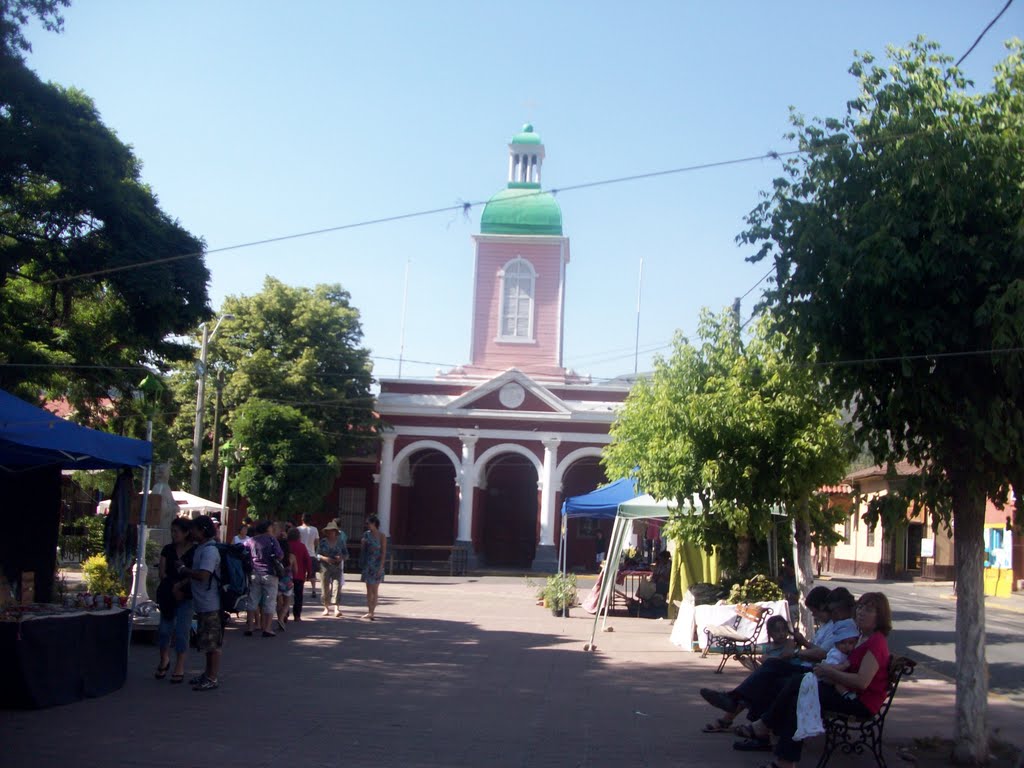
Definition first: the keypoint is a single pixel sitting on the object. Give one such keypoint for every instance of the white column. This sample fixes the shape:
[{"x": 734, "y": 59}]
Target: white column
[
  {"x": 467, "y": 482},
  {"x": 387, "y": 474},
  {"x": 548, "y": 490}
]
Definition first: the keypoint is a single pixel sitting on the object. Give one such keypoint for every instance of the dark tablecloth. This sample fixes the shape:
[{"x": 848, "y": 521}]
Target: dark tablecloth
[{"x": 58, "y": 660}]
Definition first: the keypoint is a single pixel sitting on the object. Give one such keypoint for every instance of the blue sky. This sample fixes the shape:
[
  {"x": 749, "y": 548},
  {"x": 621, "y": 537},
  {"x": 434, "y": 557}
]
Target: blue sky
[{"x": 256, "y": 120}]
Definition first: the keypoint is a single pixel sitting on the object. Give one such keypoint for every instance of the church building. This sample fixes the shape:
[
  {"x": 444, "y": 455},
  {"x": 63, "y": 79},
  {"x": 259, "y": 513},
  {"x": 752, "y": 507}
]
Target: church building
[{"x": 483, "y": 455}]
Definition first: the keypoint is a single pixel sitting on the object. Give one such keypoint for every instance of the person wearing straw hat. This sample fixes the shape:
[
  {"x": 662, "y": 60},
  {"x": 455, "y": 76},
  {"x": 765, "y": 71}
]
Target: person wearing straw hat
[{"x": 331, "y": 554}]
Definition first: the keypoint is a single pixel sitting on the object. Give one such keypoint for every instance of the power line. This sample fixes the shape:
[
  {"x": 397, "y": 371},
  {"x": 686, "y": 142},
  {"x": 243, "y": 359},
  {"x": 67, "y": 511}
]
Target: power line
[
  {"x": 983, "y": 33},
  {"x": 464, "y": 207}
]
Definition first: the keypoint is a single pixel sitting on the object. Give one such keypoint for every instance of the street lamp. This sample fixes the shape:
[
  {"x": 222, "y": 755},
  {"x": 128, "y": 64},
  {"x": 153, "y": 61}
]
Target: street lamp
[{"x": 197, "y": 436}]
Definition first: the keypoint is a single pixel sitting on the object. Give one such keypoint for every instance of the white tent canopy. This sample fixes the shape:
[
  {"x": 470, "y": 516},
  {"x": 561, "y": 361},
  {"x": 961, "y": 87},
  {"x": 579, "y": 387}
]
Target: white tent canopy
[
  {"x": 644, "y": 507},
  {"x": 188, "y": 505}
]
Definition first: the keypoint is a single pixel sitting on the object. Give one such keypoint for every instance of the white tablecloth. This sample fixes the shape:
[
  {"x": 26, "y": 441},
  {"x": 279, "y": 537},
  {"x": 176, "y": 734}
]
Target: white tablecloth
[{"x": 689, "y": 625}]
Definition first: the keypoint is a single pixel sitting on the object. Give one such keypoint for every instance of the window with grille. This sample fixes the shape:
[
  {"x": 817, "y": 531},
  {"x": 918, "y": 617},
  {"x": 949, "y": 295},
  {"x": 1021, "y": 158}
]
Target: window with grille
[
  {"x": 871, "y": 536},
  {"x": 847, "y": 528},
  {"x": 517, "y": 284},
  {"x": 352, "y": 512}
]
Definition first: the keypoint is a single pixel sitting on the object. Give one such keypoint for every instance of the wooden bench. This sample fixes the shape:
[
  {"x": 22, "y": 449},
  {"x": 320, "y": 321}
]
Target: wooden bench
[
  {"x": 445, "y": 557},
  {"x": 851, "y": 735},
  {"x": 734, "y": 641}
]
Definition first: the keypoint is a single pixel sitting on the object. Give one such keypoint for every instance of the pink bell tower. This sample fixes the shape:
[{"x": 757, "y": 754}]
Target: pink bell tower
[{"x": 519, "y": 275}]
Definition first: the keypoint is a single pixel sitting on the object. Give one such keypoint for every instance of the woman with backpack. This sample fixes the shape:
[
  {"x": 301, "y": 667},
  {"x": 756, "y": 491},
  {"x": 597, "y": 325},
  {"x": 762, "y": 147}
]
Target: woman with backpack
[{"x": 174, "y": 596}]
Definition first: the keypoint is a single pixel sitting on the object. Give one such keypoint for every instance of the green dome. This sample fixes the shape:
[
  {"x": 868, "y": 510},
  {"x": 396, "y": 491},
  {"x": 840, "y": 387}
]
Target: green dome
[
  {"x": 526, "y": 136},
  {"x": 521, "y": 212}
]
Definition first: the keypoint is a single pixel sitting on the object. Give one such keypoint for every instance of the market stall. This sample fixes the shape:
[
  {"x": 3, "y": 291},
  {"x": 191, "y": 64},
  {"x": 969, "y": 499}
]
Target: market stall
[{"x": 54, "y": 654}]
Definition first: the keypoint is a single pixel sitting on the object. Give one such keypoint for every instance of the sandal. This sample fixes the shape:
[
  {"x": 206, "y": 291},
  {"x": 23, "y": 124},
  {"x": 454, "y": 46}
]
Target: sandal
[
  {"x": 161, "y": 672},
  {"x": 721, "y": 725},
  {"x": 746, "y": 731},
  {"x": 178, "y": 678},
  {"x": 753, "y": 744}
]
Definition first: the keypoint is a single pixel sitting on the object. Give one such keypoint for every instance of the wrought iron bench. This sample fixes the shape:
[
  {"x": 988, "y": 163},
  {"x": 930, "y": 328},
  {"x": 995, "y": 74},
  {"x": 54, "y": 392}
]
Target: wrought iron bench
[
  {"x": 851, "y": 735},
  {"x": 733, "y": 639}
]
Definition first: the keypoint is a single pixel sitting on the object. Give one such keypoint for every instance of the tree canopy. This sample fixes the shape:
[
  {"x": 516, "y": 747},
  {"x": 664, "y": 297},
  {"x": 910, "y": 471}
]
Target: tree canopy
[
  {"x": 82, "y": 303},
  {"x": 288, "y": 346},
  {"x": 738, "y": 425},
  {"x": 899, "y": 259}
]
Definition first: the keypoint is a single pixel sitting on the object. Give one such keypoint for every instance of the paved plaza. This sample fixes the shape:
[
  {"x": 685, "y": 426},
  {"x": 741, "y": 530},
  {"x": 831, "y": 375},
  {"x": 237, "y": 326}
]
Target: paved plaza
[{"x": 454, "y": 672}]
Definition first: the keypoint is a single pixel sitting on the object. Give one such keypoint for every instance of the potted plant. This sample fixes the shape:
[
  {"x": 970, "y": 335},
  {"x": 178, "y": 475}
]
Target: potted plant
[{"x": 559, "y": 593}]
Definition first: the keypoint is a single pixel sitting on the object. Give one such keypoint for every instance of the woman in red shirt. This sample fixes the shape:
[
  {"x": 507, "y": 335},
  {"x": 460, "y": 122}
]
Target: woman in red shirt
[
  {"x": 867, "y": 676},
  {"x": 303, "y": 570}
]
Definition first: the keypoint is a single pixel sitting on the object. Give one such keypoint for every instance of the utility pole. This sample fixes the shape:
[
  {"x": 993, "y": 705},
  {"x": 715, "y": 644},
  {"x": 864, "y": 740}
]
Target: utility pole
[{"x": 197, "y": 435}]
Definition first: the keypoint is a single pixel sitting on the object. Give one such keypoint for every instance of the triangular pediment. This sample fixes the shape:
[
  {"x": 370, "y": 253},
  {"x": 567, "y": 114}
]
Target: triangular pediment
[{"x": 511, "y": 392}]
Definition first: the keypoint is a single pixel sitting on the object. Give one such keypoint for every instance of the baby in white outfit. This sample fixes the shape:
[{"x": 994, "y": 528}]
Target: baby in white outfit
[{"x": 808, "y": 708}]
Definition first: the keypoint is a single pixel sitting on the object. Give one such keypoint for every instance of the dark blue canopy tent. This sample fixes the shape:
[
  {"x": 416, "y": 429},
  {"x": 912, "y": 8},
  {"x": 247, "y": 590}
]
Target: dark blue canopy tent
[
  {"x": 602, "y": 503},
  {"x": 35, "y": 446},
  {"x": 31, "y": 437}
]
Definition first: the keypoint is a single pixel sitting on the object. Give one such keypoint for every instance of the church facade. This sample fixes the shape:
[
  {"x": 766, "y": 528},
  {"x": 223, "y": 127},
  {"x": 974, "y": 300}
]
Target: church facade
[{"x": 482, "y": 455}]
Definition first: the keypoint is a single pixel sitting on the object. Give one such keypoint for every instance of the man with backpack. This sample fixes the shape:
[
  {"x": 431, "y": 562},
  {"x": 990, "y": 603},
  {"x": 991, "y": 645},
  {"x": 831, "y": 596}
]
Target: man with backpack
[{"x": 205, "y": 577}]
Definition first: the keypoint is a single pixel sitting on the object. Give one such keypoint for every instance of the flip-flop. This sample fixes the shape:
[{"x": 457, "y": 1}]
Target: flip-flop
[
  {"x": 178, "y": 678},
  {"x": 721, "y": 725},
  {"x": 161, "y": 672}
]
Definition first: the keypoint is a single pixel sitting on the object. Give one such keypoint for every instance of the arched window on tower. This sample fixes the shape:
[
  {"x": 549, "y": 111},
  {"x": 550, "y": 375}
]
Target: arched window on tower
[{"x": 517, "y": 284}]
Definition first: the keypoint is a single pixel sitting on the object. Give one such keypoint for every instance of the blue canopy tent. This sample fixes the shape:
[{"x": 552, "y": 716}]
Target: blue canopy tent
[
  {"x": 602, "y": 504},
  {"x": 31, "y": 438},
  {"x": 35, "y": 446}
]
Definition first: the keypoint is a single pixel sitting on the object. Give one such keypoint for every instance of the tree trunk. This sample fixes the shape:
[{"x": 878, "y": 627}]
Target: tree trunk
[
  {"x": 802, "y": 564},
  {"x": 742, "y": 553},
  {"x": 971, "y": 746}
]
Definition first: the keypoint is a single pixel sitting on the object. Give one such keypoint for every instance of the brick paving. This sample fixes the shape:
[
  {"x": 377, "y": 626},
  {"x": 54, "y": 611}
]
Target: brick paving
[{"x": 455, "y": 672}]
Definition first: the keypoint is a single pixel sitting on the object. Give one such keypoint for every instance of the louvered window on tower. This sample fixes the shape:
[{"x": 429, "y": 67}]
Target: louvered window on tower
[{"x": 517, "y": 287}]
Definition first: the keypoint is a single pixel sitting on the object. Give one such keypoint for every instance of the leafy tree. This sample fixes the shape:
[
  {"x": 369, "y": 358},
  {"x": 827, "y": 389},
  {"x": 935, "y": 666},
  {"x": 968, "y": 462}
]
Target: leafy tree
[
  {"x": 899, "y": 256},
  {"x": 15, "y": 14},
  {"x": 741, "y": 427},
  {"x": 73, "y": 207},
  {"x": 287, "y": 464},
  {"x": 293, "y": 346}
]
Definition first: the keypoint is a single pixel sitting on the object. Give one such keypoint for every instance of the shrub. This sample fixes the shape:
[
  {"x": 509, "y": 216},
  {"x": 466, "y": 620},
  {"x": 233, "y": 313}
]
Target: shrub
[
  {"x": 93, "y": 533},
  {"x": 99, "y": 579},
  {"x": 560, "y": 591},
  {"x": 758, "y": 589}
]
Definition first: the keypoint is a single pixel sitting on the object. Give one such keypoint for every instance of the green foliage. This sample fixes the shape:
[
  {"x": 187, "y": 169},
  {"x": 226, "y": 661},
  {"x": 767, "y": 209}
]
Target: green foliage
[
  {"x": 94, "y": 480},
  {"x": 287, "y": 464},
  {"x": 758, "y": 589},
  {"x": 293, "y": 346},
  {"x": 99, "y": 579},
  {"x": 915, "y": 197},
  {"x": 72, "y": 203},
  {"x": 741, "y": 427},
  {"x": 93, "y": 534},
  {"x": 15, "y": 14},
  {"x": 559, "y": 591}
]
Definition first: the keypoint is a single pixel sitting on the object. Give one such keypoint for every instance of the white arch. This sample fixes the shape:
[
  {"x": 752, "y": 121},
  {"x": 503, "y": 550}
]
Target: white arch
[
  {"x": 423, "y": 445},
  {"x": 494, "y": 450},
  {"x": 570, "y": 458}
]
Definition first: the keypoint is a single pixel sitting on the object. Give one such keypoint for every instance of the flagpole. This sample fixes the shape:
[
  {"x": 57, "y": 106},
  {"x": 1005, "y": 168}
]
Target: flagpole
[
  {"x": 639, "y": 287},
  {"x": 405, "y": 301}
]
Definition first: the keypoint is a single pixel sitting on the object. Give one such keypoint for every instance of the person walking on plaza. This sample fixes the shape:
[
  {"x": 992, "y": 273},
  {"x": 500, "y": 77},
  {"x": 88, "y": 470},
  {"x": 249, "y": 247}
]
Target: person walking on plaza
[
  {"x": 302, "y": 567},
  {"x": 286, "y": 581},
  {"x": 331, "y": 554},
  {"x": 264, "y": 549},
  {"x": 174, "y": 596},
  {"x": 310, "y": 537},
  {"x": 375, "y": 546},
  {"x": 206, "y": 600}
]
